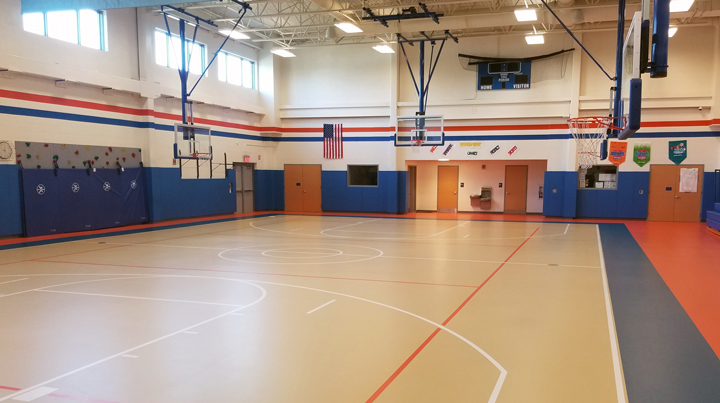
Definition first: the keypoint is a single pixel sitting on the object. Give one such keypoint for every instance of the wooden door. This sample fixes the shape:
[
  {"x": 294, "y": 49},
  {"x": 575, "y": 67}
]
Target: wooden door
[
  {"x": 293, "y": 188},
  {"x": 661, "y": 199},
  {"x": 688, "y": 205},
  {"x": 666, "y": 202},
  {"x": 447, "y": 189},
  {"x": 412, "y": 189},
  {"x": 516, "y": 189},
  {"x": 312, "y": 196}
]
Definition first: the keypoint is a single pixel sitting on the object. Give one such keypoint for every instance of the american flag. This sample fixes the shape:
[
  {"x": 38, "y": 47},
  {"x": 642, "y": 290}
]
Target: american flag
[{"x": 332, "y": 141}]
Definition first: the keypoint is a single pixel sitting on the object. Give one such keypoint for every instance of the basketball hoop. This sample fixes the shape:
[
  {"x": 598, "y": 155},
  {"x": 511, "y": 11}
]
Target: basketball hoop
[
  {"x": 589, "y": 132},
  {"x": 417, "y": 142}
]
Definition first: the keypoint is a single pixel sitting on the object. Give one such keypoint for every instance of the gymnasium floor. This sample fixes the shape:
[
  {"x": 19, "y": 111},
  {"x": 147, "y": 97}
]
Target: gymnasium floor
[{"x": 332, "y": 308}]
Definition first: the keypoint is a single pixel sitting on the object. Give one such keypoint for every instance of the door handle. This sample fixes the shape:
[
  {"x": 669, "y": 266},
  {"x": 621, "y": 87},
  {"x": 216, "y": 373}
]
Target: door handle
[
  {"x": 677, "y": 197},
  {"x": 304, "y": 191},
  {"x": 454, "y": 193}
]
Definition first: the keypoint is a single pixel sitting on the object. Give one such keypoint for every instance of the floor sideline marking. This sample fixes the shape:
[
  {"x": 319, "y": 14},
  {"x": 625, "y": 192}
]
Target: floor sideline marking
[
  {"x": 12, "y": 281},
  {"x": 42, "y": 384},
  {"x": 35, "y": 394},
  {"x": 617, "y": 366},
  {"x": 503, "y": 372},
  {"x": 321, "y": 306},
  {"x": 141, "y": 298}
]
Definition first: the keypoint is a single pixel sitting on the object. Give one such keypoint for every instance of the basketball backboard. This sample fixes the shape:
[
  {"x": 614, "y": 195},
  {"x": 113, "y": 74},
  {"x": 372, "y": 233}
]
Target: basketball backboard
[
  {"x": 419, "y": 131},
  {"x": 635, "y": 58},
  {"x": 192, "y": 142}
]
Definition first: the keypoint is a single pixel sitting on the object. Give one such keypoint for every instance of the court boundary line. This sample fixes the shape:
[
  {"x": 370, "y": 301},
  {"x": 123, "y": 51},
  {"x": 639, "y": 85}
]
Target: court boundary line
[{"x": 614, "y": 346}]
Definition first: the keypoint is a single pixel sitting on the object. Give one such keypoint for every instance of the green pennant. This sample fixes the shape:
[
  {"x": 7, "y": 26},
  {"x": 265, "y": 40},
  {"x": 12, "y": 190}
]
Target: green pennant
[
  {"x": 678, "y": 151},
  {"x": 641, "y": 154}
]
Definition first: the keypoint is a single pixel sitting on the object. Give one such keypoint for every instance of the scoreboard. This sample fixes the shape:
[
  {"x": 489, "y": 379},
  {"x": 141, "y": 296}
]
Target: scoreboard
[{"x": 504, "y": 75}]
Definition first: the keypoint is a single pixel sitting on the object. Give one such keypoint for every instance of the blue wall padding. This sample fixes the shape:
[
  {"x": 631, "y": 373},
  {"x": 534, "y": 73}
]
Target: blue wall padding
[
  {"x": 708, "y": 194},
  {"x": 559, "y": 196},
  {"x": 390, "y": 196},
  {"x": 71, "y": 200},
  {"x": 10, "y": 201},
  {"x": 269, "y": 190},
  {"x": 170, "y": 196},
  {"x": 624, "y": 202}
]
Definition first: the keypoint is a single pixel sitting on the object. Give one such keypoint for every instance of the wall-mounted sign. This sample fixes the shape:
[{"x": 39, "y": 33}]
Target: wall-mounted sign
[
  {"x": 494, "y": 150},
  {"x": 470, "y": 143},
  {"x": 512, "y": 150},
  {"x": 504, "y": 75},
  {"x": 447, "y": 150},
  {"x": 472, "y": 153},
  {"x": 433, "y": 148}
]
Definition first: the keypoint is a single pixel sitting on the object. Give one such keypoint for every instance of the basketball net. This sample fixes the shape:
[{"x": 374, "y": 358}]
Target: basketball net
[{"x": 589, "y": 133}]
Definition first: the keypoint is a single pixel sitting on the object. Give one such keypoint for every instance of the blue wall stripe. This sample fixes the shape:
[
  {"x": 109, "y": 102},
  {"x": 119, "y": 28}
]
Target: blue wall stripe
[
  {"x": 665, "y": 358},
  {"x": 12, "y": 110}
]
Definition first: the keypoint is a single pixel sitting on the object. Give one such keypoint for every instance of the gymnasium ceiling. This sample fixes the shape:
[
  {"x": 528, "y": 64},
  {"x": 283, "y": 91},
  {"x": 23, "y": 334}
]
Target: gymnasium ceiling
[{"x": 302, "y": 23}]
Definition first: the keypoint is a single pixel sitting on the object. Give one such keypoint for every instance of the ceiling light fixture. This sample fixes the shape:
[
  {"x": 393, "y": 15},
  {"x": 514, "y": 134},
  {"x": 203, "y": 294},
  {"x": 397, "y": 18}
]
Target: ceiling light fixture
[
  {"x": 233, "y": 34},
  {"x": 672, "y": 31},
  {"x": 526, "y": 14},
  {"x": 444, "y": 159},
  {"x": 282, "y": 52},
  {"x": 383, "y": 49},
  {"x": 348, "y": 27},
  {"x": 534, "y": 39},
  {"x": 680, "y": 6}
]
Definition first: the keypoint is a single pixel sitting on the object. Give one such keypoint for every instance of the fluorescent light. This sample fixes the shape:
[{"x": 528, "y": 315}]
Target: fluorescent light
[
  {"x": 679, "y": 6},
  {"x": 444, "y": 159},
  {"x": 348, "y": 27},
  {"x": 233, "y": 34},
  {"x": 534, "y": 39},
  {"x": 526, "y": 14},
  {"x": 383, "y": 49},
  {"x": 282, "y": 52},
  {"x": 672, "y": 31}
]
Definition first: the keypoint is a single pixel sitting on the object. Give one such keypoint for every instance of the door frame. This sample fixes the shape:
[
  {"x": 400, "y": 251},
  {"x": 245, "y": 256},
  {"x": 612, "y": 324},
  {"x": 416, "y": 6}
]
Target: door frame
[
  {"x": 527, "y": 185},
  {"x": 457, "y": 189},
  {"x": 238, "y": 186}
]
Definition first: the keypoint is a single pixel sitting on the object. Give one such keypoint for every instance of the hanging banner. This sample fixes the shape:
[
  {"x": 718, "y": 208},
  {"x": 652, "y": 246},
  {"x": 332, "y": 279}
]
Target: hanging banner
[
  {"x": 618, "y": 151},
  {"x": 678, "y": 151},
  {"x": 641, "y": 154}
]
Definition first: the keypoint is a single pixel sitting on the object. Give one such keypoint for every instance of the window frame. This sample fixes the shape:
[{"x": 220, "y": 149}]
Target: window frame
[
  {"x": 102, "y": 29},
  {"x": 377, "y": 175},
  {"x": 585, "y": 181},
  {"x": 226, "y": 55},
  {"x": 170, "y": 50}
]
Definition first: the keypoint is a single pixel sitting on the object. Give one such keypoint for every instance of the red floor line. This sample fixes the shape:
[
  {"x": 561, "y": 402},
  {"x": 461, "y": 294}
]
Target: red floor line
[
  {"x": 262, "y": 274},
  {"x": 427, "y": 341}
]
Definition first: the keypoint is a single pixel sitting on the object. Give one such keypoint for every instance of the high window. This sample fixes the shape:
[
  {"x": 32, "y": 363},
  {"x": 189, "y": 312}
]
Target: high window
[
  {"x": 236, "y": 70},
  {"x": 84, "y": 27},
  {"x": 167, "y": 52}
]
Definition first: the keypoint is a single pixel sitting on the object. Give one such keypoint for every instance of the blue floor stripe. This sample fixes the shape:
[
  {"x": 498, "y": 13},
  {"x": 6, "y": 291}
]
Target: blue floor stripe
[{"x": 665, "y": 358}]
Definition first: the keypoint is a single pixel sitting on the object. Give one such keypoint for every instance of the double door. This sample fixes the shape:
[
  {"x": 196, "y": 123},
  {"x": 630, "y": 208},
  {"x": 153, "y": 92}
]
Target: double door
[
  {"x": 666, "y": 202},
  {"x": 244, "y": 174},
  {"x": 302, "y": 188}
]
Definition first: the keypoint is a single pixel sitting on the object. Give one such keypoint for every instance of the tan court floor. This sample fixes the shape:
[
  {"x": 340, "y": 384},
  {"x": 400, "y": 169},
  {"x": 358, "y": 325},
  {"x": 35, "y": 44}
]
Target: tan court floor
[{"x": 312, "y": 309}]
